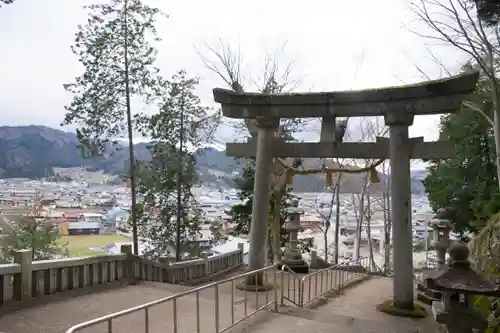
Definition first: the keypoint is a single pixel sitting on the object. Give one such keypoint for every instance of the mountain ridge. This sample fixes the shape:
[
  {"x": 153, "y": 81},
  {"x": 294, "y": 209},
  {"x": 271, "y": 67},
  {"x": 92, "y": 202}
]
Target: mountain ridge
[{"x": 33, "y": 151}]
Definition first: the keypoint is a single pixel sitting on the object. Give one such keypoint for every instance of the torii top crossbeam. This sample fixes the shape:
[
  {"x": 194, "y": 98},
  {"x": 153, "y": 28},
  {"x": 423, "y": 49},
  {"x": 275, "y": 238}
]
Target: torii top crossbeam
[
  {"x": 398, "y": 106},
  {"x": 435, "y": 97}
]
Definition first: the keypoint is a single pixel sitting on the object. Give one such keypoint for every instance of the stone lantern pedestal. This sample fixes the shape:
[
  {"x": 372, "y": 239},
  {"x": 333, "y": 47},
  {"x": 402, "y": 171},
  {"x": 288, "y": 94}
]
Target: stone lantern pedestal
[
  {"x": 441, "y": 226},
  {"x": 459, "y": 284},
  {"x": 292, "y": 257}
]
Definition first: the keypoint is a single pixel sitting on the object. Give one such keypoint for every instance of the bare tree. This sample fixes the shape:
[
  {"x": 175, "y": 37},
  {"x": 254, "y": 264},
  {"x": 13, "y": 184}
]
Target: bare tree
[
  {"x": 337, "y": 221},
  {"x": 456, "y": 23},
  {"x": 369, "y": 129},
  {"x": 369, "y": 213},
  {"x": 328, "y": 215},
  {"x": 227, "y": 64},
  {"x": 360, "y": 207},
  {"x": 385, "y": 204}
]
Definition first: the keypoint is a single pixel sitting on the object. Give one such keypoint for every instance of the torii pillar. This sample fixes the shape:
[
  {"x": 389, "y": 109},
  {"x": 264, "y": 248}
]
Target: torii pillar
[
  {"x": 400, "y": 146},
  {"x": 260, "y": 205},
  {"x": 397, "y": 105}
]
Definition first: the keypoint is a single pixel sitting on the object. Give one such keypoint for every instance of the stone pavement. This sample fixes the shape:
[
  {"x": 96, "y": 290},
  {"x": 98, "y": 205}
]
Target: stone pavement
[
  {"x": 351, "y": 311},
  {"x": 58, "y": 315}
]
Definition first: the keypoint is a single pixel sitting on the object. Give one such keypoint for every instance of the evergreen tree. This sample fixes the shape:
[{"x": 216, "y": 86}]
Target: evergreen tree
[
  {"x": 167, "y": 180},
  {"x": 114, "y": 46},
  {"x": 241, "y": 214},
  {"x": 467, "y": 183},
  {"x": 488, "y": 10},
  {"x": 38, "y": 235}
]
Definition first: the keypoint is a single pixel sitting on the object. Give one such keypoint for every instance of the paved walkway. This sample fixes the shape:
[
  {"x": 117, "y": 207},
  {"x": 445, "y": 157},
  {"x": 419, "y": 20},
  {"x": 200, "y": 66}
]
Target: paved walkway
[
  {"x": 353, "y": 311},
  {"x": 57, "y": 316}
]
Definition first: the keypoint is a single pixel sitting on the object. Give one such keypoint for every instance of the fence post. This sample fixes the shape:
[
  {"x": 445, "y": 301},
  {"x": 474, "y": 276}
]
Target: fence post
[
  {"x": 314, "y": 259},
  {"x": 22, "y": 282},
  {"x": 241, "y": 247},
  {"x": 206, "y": 266},
  {"x": 165, "y": 261},
  {"x": 129, "y": 262}
]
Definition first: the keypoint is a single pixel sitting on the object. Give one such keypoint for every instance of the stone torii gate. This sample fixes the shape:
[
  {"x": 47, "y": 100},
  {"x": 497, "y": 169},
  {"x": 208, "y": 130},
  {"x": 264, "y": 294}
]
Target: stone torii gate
[{"x": 397, "y": 105}]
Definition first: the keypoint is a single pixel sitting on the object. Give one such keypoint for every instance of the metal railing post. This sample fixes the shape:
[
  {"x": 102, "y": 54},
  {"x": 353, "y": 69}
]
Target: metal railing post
[
  {"x": 282, "y": 287},
  {"x": 275, "y": 282},
  {"x": 301, "y": 293}
]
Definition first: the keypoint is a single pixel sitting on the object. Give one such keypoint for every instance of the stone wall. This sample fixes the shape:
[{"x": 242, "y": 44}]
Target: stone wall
[{"x": 25, "y": 279}]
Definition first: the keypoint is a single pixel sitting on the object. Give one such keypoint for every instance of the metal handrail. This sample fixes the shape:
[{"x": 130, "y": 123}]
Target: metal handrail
[
  {"x": 331, "y": 282},
  {"x": 296, "y": 278},
  {"x": 145, "y": 307}
]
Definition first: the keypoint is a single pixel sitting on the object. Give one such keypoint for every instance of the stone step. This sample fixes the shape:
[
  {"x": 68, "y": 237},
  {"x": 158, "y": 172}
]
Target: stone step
[
  {"x": 278, "y": 323},
  {"x": 348, "y": 323}
]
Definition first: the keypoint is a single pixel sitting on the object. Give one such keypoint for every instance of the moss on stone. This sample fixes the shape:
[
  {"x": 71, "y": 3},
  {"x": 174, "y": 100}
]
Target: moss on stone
[{"x": 388, "y": 307}]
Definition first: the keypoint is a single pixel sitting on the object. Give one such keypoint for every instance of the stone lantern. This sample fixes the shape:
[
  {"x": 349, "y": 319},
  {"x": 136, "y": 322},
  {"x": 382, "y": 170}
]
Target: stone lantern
[
  {"x": 441, "y": 226},
  {"x": 441, "y": 236},
  {"x": 292, "y": 257},
  {"x": 458, "y": 284}
]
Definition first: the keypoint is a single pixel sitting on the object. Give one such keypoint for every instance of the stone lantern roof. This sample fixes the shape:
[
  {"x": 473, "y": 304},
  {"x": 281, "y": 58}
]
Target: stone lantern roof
[{"x": 460, "y": 277}]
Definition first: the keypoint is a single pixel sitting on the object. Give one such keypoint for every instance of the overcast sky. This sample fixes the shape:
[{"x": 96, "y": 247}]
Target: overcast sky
[{"x": 336, "y": 45}]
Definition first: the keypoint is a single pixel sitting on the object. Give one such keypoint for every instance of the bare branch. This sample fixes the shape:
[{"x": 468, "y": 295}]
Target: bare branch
[{"x": 456, "y": 22}]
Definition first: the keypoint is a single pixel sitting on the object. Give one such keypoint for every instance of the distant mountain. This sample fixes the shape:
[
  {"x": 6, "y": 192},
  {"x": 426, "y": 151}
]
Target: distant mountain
[{"x": 33, "y": 152}]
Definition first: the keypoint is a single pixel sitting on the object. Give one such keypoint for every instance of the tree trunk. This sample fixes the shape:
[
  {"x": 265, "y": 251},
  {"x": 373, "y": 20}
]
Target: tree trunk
[
  {"x": 276, "y": 228},
  {"x": 368, "y": 228},
  {"x": 325, "y": 240},
  {"x": 133, "y": 213},
  {"x": 337, "y": 220},
  {"x": 359, "y": 222},
  {"x": 387, "y": 227},
  {"x": 496, "y": 131}
]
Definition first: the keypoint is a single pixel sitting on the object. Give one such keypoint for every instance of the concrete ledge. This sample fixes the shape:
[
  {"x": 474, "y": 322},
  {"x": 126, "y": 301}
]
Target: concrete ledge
[
  {"x": 212, "y": 277},
  {"x": 76, "y": 261}
]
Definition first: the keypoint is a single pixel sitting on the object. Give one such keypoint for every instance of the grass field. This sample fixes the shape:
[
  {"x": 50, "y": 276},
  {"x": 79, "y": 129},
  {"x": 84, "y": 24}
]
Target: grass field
[{"x": 79, "y": 245}]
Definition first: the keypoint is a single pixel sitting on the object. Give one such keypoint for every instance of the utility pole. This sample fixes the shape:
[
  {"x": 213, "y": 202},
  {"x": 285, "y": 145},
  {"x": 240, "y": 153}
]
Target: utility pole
[{"x": 180, "y": 210}]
